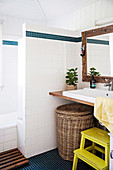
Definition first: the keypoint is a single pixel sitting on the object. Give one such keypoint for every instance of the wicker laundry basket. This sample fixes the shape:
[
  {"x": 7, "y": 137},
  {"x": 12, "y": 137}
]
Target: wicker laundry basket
[{"x": 71, "y": 120}]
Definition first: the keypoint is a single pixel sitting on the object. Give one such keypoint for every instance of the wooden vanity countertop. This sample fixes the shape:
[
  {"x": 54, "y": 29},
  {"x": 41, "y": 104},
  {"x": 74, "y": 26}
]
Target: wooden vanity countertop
[{"x": 59, "y": 94}]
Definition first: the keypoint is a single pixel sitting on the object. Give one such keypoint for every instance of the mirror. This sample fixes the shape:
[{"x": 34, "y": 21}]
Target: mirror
[{"x": 98, "y": 53}]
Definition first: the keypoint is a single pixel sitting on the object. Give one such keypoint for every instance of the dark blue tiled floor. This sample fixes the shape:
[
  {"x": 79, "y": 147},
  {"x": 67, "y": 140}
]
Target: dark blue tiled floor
[{"x": 52, "y": 161}]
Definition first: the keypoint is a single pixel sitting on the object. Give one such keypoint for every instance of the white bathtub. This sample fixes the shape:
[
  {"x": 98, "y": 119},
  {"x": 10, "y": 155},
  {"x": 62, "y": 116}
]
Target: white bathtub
[
  {"x": 8, "y": 119},
  {"x": 8, "y": 131}
]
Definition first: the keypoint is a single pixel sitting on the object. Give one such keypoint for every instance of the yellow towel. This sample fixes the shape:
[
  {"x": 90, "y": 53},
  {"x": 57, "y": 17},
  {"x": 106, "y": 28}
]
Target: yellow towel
[{"x": 103, "y": 111}]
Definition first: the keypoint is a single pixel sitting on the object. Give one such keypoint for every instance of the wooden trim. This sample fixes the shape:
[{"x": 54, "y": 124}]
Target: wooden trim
[
  {"x": 90, "y": 33},
  {"x": 59, "y": 94}
]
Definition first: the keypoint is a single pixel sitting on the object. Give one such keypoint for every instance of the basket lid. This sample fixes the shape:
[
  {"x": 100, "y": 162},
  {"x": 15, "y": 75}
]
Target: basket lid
[{"x": 75, "y": 108}]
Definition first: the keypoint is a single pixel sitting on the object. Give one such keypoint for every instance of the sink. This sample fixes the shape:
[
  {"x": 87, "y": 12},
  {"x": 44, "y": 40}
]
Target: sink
[{"x": 87, "y": 94}]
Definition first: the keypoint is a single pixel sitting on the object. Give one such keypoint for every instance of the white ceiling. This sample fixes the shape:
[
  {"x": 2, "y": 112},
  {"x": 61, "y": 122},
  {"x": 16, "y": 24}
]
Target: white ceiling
[{"x": 31, "y": 9}]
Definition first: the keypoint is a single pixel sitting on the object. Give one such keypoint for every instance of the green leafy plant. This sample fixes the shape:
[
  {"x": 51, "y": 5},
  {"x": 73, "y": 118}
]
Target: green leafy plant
[
  {"x": 72, "y": 76},
  {"x": 93, "y": 72}
]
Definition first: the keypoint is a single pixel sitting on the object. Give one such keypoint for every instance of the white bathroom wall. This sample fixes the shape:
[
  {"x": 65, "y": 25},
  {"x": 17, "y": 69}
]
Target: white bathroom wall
[
  {"x": 1, "y": 58},
  {"x": 45, "y": 65},
  {"x": 21, "y": 122},
  {"x": 8, "y": 95},
  {"x": 12, "y": 26},
  {"x": 11, "y": 31},
  {"x": 85, "y": 17}
]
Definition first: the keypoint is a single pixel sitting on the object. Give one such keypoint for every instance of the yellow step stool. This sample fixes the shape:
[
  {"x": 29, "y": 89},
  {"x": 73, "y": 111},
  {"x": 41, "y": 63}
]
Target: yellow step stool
[{"x": 96, "y": 136}]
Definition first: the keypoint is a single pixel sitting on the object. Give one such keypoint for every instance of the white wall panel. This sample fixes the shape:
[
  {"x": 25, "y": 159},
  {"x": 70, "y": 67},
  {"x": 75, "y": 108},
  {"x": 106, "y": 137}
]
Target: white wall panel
[
  {"x": 82, "y": 19},
  {"x": 77, "y": 19},
  {"x": 98, "y": 10},
  {"x": 92, "y": 15},
  {"x": 110, "y": 8},
  {"x": 104, "y": 4},
  {"x": 85, "y": 17}
]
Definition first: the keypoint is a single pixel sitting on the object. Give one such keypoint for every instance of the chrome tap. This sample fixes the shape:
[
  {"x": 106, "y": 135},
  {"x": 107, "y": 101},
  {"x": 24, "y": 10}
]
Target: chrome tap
[{"x": 109, "y": 84}]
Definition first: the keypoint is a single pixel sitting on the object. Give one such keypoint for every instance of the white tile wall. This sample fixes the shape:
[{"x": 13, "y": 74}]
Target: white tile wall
[
  {"x": 44, "y": 72},
  {"x": 8, "y": 138},
  {"x": 45, "y": 66}
]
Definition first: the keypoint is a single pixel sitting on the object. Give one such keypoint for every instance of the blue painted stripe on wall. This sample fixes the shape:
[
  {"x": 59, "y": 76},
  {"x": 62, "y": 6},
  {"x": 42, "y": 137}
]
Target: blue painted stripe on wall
[
  {"x": 93, "y": 41},
  {"x": 50, "y": 36},
  {"x": 79, "y": 39},
  {"x": 6, "y": 42},
  {"x": 56, "y": 37},
  {"x": 63, "y": 38}
]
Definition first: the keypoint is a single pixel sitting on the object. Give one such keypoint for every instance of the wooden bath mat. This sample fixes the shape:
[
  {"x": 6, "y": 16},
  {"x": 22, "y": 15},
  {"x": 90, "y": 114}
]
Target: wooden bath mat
[{"x": 12, "y": 159}]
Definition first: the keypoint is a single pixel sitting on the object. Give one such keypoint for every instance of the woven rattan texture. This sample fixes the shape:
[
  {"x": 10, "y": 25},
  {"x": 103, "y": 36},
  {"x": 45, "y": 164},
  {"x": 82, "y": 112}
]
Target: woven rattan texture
[{"x": 71, "y": 120}]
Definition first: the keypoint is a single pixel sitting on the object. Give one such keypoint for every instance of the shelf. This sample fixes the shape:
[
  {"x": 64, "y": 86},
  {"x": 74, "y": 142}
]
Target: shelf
[{"x": 59, "y": 94}]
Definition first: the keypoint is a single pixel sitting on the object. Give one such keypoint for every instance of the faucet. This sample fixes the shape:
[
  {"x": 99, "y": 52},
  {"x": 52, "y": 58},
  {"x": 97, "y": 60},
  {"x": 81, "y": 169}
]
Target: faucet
[{"x": 109, "y": 84}]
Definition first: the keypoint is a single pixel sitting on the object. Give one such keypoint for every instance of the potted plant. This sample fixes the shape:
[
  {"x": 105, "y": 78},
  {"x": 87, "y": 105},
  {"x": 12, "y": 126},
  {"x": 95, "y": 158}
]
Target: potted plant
[
  {"x": 93, "y": 72},
  {"x": 72, "y": 79}
]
